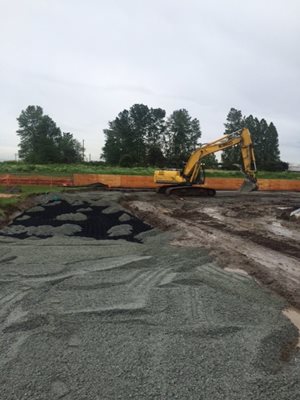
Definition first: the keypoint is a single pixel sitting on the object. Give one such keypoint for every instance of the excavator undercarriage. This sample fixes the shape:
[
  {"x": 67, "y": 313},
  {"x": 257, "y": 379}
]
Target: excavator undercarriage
[{"x": 186, "y": 190}]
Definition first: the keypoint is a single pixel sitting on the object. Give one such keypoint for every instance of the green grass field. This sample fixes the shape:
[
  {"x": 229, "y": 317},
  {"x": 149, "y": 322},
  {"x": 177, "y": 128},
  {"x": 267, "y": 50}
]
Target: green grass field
[{"x": 69, "y": 169}]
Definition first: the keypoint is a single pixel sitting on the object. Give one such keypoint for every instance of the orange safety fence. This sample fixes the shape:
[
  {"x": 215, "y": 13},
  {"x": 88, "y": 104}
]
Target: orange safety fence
[
  {"x": 115, "y": 181},
  {"x": 279, "y": 184},
  {"x": 140, "y": 182},
  {"x": 10, "y": 179}
]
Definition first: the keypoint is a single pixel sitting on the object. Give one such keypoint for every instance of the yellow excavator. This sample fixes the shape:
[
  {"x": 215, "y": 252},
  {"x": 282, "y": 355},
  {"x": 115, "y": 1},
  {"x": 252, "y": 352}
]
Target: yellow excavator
[{"x": 186, "y": 182}]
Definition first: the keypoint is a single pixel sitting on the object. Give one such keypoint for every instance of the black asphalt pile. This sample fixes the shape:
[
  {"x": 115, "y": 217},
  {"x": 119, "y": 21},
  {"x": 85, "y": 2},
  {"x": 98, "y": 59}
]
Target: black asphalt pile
[
  {"x": 78, "y": 218},
  {"x": 86, "y": 319}
]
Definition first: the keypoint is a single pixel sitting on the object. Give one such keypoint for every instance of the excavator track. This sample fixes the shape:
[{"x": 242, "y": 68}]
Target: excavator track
[{"x": 184, "y": 191}]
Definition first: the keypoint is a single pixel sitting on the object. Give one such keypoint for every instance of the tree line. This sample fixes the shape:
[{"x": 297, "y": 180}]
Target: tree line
[
  {"x": 265, "y": 142},
  {"x": 144, "y": 136}
]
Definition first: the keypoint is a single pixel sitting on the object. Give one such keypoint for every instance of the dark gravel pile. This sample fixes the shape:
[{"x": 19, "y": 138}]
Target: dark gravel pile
[{"x": 98, "y": 222}]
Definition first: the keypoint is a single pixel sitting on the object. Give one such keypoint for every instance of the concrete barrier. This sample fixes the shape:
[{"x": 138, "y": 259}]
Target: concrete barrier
[{"x": 141, "y": 182}]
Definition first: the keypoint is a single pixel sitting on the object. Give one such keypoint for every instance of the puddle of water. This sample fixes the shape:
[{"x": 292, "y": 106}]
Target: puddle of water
[
  {"x": 295, "y": 213},
  {"x": 8, "y": 196},
  {"x": 213, "y": 212},
  {"x": 237, "y": 271},
  {"x": 278, "y": 229},
  {"x": 294, "y": 316}
]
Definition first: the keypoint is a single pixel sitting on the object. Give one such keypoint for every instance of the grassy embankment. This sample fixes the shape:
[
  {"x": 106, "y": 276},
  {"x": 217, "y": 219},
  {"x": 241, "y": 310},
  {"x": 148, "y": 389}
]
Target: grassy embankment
[{"x": 69, "y": 169}]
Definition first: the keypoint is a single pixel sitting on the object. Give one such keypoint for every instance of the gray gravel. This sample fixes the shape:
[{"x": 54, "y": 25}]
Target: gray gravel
[
  {"x": 36, "y": 209},
  {"x": 124, "y": 218},
  {"x": 120, "y": 230},
  {"x": 87, "y": 319},
  {"x": 113, "y": 209},
  {"x": 42, "y": 230},
  {"x": 23, "y": 218},
  {"x": 72, "y": 217},
  {"x": 87, "y": 209}
]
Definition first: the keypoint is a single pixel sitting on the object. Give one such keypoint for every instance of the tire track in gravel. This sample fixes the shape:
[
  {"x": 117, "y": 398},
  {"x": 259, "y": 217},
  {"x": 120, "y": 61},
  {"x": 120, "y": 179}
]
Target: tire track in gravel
[
  {"x": 146, "y": 280},
  {"x": 10, "y": 300}
]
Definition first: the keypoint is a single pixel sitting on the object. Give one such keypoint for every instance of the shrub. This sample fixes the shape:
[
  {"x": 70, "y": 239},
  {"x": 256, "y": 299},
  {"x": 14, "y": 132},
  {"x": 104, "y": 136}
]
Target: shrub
[{"x": 126, "y": 161}]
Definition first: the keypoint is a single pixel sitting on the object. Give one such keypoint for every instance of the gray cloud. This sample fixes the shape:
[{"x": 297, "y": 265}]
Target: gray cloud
[{"x": 83, "y": 62}]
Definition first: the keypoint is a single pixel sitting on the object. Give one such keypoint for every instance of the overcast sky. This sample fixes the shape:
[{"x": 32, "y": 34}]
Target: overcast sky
[{"x": 85, "y": 61}]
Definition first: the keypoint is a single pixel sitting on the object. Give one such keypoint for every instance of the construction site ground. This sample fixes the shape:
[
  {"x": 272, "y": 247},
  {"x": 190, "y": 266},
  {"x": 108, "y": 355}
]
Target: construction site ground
[{"x": 113, "y": 295}]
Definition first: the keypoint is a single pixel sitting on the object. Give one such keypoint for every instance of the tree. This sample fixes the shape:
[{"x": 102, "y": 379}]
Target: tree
[
  {"x": 154, "y": 139},
  {"x": 136, "y": 133},
  {"x": 235, "y": 121},
  {"x": 126, "y": 161},
  {"x": 182, "y": 136},
  {"x": 39, "y": 136},
  {"x": 70, "y": 149},
  {"x": 117, "y": 138},
  {"x": 265, "y": 142},
  {"x": 155, "y": 156},
  {"x": 271, "y": 148},
  {"x": 264, "y": 137},
  {"x": 210, "y": 161},
  {"x": 41, "y": 141}
]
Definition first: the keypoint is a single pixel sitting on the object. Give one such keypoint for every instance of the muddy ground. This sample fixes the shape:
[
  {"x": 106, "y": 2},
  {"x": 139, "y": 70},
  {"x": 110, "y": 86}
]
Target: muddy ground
[
  {"x": 252, "y": 232},
  {"x": 132, "y": 296}
]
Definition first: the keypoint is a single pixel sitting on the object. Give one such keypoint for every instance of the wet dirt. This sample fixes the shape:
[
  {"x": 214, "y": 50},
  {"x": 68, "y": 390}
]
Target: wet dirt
[{"x": 252, "y": 232}]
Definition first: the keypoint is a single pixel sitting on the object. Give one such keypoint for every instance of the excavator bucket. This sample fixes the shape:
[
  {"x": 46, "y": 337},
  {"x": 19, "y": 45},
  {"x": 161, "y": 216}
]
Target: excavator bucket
[{"x": 248, "y": 186}]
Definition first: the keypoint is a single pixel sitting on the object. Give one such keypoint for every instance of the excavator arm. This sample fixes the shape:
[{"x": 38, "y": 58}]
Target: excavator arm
[{"x": 193, "y": 172}]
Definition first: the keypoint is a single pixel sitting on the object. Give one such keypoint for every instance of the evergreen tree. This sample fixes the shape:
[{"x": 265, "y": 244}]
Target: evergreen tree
[
  {"x": 269, "y": 157},
  {"x": 118, "y": 139},
  {"x": 264, "y": 138},
  {"x": 265, "y": 142},
  {"x": 253, "y": 124},
  {"x": 235, "y": 121},
  {"x": 181, "y": 137}
]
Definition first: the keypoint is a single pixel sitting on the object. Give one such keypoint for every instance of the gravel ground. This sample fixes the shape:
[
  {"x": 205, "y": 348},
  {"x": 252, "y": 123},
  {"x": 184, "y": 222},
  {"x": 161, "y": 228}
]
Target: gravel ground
[{"x": 135, "y": 318}]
